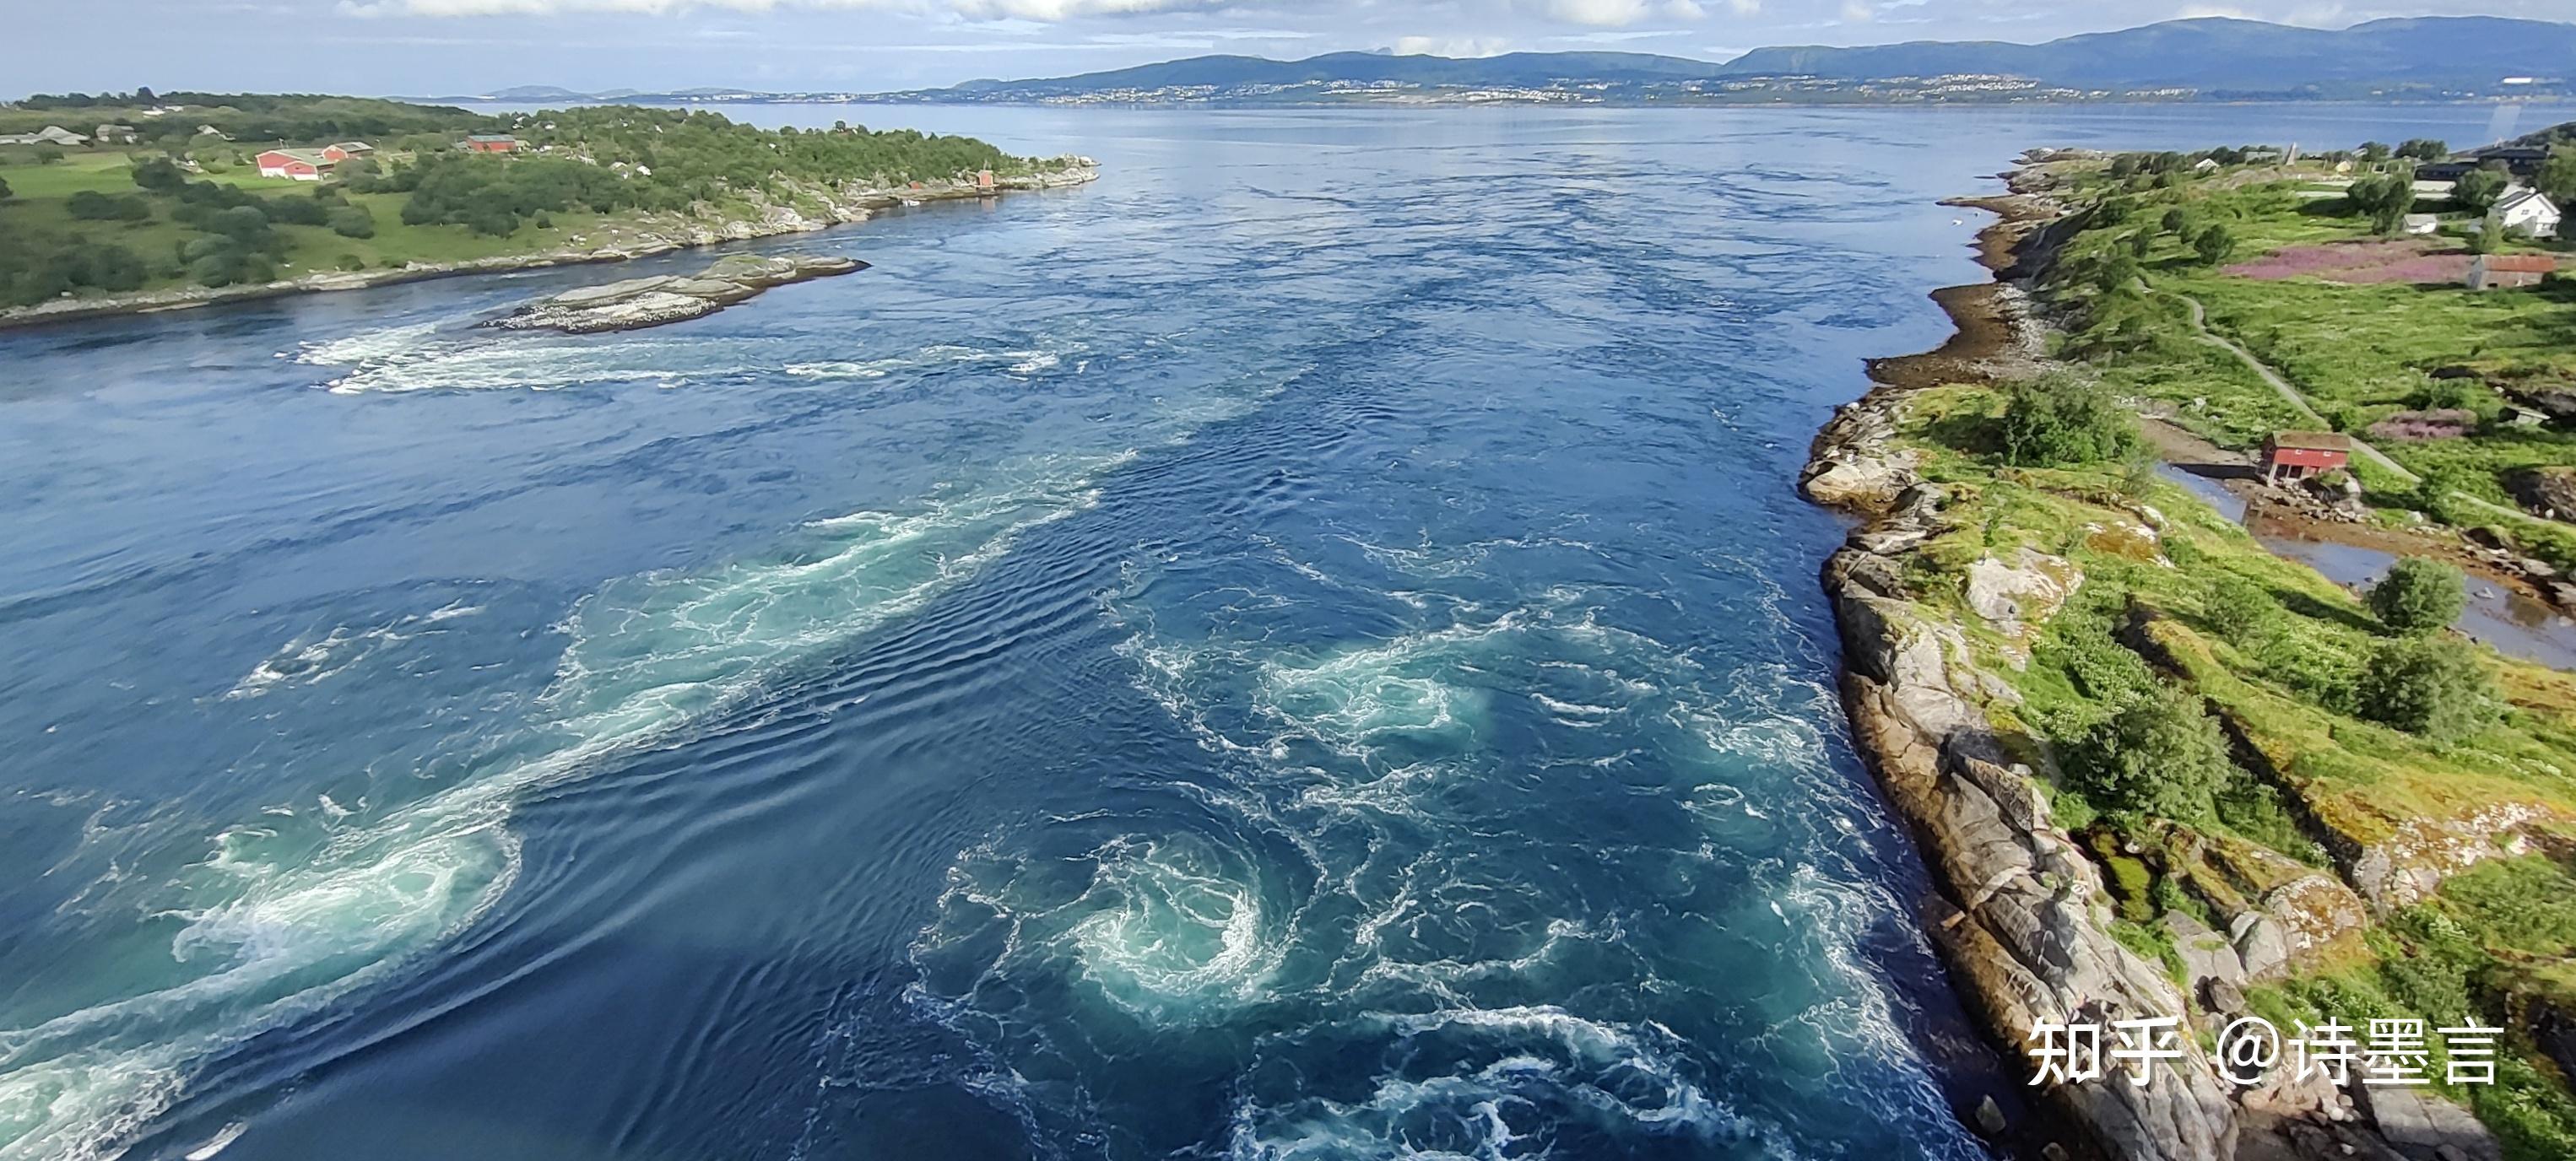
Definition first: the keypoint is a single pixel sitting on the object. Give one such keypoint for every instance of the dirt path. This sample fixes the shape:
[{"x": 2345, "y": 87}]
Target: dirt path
[{"x": 2290, "y": 395}]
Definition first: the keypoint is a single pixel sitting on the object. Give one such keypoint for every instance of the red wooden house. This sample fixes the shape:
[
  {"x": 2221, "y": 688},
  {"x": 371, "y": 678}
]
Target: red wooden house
[
  {"x": 2298, "y": 455},
  {"x": 489, "y": 143},
  {"x": 300, "y": 164}
]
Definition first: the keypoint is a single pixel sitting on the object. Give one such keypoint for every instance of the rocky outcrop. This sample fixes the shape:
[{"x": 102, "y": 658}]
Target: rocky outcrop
[
  {"x": 637, "y": 303},
  {"x": 2019, "y": 920},
  {"x": 2020, "y": 915},
  {"x": 2549, "y": 492}
]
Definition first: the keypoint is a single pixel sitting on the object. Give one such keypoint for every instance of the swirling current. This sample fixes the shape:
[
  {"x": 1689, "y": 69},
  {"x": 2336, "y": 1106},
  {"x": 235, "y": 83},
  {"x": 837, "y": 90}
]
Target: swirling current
[{"x": 1304, "y": 649}]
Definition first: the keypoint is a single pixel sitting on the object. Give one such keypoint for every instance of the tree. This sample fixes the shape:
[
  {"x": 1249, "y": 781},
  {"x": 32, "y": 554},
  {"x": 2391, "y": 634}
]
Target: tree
[
  {"x": 5, "y": 192},
  {"x": 2423, "y": 149},
  {"x": 2385, "y": 197},
  {"x": 2175, "y": 219},
  {"x": 160, "y": 175},
  {"x": 2237, "y": 606},
  {"x": 353, "y": 222},
  {"x": 89, "y": 205},
  {"x": 2374, "y": 152},
  {"x": 2557, "y": 176},
  {"x": 2213, "y": 245},
  {"x": 2061, "y": 419},
  {"x": 2419, "y": 596},
  {"x": 2477, "y": 190},
  {"x": 2162, "y": 756},
  {"x": 2434, "y": 686},
  {"x": 2488, "y": 237}
]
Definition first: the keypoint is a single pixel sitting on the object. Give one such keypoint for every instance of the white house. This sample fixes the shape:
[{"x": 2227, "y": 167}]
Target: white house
[
  {"x": 2529, "y": 210},
  {"x": 49, "y": 135}
]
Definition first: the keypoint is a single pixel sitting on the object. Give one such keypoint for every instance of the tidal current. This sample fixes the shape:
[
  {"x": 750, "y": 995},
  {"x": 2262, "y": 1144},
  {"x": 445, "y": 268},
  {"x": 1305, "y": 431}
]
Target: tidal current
[{"x": 1307, "y": 648}]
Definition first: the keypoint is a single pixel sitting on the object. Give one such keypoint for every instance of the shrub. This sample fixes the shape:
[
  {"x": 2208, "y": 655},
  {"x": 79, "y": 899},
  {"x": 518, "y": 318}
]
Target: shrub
[
  {"x": 353, "y": 222},
  {"x": 2060, "y": 419},
  {"x": 2214, "y": 245},
  {"x": 352, "y": 262},
  {"x": 2434, "y": 686},
  {"x": 2237, "y": 606},
  {"x": 160, "y": 175},
  {"x": 89, "y": 205},
  {"x": 2419, "y": 596},
  {"x": 293, "y": 211},
  {"x": 2163, "y": 756}
]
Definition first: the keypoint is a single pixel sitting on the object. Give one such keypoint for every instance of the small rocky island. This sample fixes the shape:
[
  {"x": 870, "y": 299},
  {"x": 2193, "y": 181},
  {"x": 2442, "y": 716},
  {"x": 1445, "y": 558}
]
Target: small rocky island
[{"x": 636, "y": 303}]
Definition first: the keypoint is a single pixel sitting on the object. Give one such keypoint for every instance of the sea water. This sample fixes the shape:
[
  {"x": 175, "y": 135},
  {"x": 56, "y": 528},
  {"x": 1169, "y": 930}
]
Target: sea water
[{"x": 1306, "y": 648}]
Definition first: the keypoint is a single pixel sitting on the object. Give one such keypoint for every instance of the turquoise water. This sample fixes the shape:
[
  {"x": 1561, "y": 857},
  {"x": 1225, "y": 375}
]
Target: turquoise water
[{"x": 1305, "y": 648}]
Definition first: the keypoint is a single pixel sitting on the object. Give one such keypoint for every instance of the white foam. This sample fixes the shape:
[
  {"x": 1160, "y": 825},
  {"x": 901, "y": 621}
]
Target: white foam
[{"x": 279, "y": 925}]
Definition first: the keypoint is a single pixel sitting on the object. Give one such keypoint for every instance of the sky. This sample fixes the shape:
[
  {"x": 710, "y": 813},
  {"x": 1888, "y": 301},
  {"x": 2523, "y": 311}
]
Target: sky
[{"x": 468, "y": 47}]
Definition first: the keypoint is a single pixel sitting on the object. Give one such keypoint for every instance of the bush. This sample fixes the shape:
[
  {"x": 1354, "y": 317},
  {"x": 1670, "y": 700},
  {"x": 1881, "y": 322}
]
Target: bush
[
  {"x": 2419, "y": 596},
  {"x": 2237, "y": 606},
  {"x": 353, "y": 222},
  {"x": 2434, "y": 686},
  {"x": 2214, "y": 245},
  {"x": 160, "y": 175},
  {"x": 89, "y": 205},
  {"x": 2060, "y": 419},
  {"x": 293, "y": 211},
  {"x": 352, "y": 262},
  {"x": 2163, "y": 756},
  {"x": 5, "y": 192}
]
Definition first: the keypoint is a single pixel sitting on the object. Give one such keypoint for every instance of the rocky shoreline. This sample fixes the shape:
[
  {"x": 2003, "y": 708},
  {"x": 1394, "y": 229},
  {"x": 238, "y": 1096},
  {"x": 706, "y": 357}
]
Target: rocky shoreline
[
  {"x": 657, "y": 234},
  {"x": 2019, "y": 914}
]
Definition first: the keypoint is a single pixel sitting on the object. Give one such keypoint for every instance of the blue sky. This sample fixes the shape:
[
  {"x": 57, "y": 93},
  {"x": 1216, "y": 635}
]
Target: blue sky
[{"x": 454, "y": 47}]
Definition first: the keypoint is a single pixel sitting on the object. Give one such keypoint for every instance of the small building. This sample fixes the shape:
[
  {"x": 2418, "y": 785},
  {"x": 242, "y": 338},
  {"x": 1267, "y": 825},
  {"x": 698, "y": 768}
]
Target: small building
[
  {"x": 115, "y": 135},
  {"x": 2205, "y": 165},
  {"x": 984, "y": 182},
  {"x": 2516, "y": 415},
  {"x": 2508, "y": 271},
  {"x": 2423, "y": 224},
  {"x": 2529, "y": 211},
  {"x": 49, "y": 135},
  {"x": 299, "y": 164},
  {"x": 211, "y": 131},
  {"x": 489, "y": 143},
  {"x": 344, "y": 150},
  {"x": 2299, "y": 455}
]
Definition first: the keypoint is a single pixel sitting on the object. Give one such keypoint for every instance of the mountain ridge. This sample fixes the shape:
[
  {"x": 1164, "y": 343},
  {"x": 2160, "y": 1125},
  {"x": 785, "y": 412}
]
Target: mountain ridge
[{"x": 2432, "y": 57}]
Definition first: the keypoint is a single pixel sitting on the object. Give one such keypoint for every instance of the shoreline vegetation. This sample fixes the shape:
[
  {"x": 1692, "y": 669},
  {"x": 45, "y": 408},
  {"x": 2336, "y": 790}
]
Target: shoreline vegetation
[
  {"x": 2157, "y": 769},
  {"x": 165, "y": 206}
]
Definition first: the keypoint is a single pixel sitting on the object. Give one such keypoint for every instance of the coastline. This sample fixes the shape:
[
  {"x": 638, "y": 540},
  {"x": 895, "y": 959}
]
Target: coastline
[
  {"x": 847, "y": 207},
  {"x": 2019, "y": 913}
]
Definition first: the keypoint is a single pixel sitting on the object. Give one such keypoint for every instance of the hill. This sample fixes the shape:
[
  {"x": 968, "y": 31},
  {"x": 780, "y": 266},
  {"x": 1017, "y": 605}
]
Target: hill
[{"x": 2434, "y": 57}]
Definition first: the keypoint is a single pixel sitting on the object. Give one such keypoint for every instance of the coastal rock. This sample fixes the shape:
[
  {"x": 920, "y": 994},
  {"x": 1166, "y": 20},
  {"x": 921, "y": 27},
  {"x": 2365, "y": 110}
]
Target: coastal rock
[
  {"x": 2550, "y": 492},
  {"x": 2023, "y": 592},
  {"x": 2424, "y": 1127},
  {"x": 636, "y": 303}
]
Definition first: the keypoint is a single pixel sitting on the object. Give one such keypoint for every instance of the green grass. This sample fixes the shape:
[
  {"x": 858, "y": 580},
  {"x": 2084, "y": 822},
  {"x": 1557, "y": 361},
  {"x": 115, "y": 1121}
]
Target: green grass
[
  {"x": 39, "y": 210},
  {"x": 2504, "y": 930}
]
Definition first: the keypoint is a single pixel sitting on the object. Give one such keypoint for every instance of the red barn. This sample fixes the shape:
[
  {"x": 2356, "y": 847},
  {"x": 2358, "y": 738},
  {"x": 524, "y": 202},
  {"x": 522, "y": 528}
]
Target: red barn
[
  {"x": 348, "y": 149},
  {"x": 300, "y": 164},
  {"x": 2298, "y": 455},
  {"x": 489, "y": 143},
  {"x": 984, "y": 181}
]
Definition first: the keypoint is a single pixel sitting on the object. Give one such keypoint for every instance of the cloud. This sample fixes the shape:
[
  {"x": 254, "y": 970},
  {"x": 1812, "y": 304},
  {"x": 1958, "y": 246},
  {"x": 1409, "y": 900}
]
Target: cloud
[
  {"x": 1613, "y": 13},
  {"x": 1451, "y": 46},
  {"x": 1013, "y": 14}
]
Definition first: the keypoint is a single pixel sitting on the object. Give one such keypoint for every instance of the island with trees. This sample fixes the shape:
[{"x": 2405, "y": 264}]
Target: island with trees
[
  {"x": 145, "y": 201},
  {"x": 2159, "y": 764}
]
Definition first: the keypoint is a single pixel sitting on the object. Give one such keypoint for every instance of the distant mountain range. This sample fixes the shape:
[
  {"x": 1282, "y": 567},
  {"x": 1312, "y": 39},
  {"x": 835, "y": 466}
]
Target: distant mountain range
[{"x": 2428, "y": 58}]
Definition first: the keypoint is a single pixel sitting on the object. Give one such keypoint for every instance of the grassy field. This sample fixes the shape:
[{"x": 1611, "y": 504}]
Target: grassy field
[
  {"x": 2311, "y": 777},
  {"x": 2358, "y": 353},
  {"x": 39, "y": 209}
]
